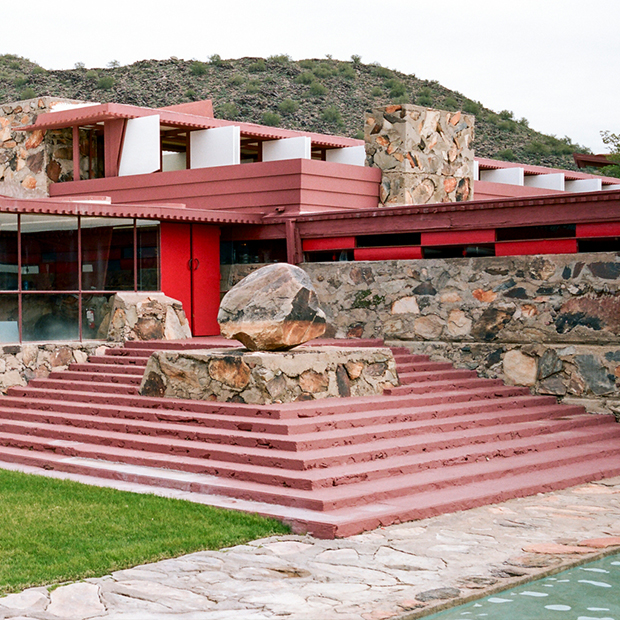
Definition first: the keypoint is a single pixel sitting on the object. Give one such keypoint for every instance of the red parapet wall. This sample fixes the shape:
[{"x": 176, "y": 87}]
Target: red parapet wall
[
  {"x": 402, "y": 253},
  {"x": 540, "y": 246},
  {"x": 295, "y": 185}
]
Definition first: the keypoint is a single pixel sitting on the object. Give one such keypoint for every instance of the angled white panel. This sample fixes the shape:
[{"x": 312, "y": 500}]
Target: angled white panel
[
  {"x": 476, "y": 171},
  {"x": 141, "y": 150},
  {"x": 353, "y": 155},
  {"x": 584, "y": 185},
  {"x": 287, "y": 148},
  {"x": 220, "y": 146},
  {"x": 173, "y": 161},
  {"x": 610, "y": 187},
  {"x": 546, "y": 181},
  {"x": 508, "y": 176}
]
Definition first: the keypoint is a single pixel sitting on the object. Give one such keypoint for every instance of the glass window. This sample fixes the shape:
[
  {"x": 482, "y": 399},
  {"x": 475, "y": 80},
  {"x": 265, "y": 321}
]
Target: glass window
[
  {"x": 107, "y": 254},
  {"x": 9, "y": 316},
  {"x": 8, "y": 252},
  {"x": 50, "y": 317},
  {"x": 49, "y": 252},
  {"x": 96, "y": 315},
  {"x": 148, "y": 255}
]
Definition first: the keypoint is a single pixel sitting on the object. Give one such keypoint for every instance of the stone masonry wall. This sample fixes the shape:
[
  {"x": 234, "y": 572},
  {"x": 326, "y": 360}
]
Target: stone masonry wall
[
  {"x": 425, "y": 154},
  {"x": 551, "y": 323},
  {"x": 30, "y": 161}
]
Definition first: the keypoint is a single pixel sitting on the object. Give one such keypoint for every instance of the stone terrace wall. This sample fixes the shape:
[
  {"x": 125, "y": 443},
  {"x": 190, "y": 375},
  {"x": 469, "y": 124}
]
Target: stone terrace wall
[
  {"x": 29, "y": 162},
  {"x": 548, "y": 322}
]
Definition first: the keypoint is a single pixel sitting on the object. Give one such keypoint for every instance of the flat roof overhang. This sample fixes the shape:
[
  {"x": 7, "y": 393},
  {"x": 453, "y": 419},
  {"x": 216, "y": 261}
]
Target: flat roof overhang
[
  {"x": 101, "y": 206},
  {"x": 100, "y": 113}
]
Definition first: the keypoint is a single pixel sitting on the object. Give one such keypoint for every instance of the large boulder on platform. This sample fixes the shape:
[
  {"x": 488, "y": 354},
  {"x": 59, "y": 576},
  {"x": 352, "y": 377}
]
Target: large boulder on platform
[{"x": 274, "y": 308}]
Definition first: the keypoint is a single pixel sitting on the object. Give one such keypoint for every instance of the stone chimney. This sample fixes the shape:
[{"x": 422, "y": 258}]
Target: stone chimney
[{"x": 424, "y": 154}]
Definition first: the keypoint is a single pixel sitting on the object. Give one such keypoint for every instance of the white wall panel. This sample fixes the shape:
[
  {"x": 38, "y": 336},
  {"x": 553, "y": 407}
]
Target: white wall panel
[
  {"x": 353, "y": 155},
  {"x": 141, "y": 146},
  {"x": 220, "y": 146},
  {"x": 508, "y": 176},
  {"x": 546, "y": 181},
  {"x": 287, "y": 148},
  {"x": 584, "y": 185}
]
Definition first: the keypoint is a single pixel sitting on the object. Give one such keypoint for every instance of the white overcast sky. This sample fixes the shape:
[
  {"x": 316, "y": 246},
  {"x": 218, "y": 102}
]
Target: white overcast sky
[{"x": 554, "y": 62}]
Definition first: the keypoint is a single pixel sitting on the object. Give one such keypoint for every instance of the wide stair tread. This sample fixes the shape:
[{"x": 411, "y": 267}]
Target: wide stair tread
[
  {"x": 80, "y": 375},
  {"x": 117, "y": 369},
  {"x": 82, "y": 385}
]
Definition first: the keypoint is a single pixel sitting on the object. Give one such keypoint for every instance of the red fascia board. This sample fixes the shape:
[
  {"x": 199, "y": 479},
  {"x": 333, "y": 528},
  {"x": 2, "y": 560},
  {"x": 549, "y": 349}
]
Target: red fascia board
[
  {"x": 458, "y": 237},
  {"x": 331, "y": 243},
  {"x": 392, "y": 253},
  {"x": 542, "y": 246},
  {"x": 598, "y": 229}
]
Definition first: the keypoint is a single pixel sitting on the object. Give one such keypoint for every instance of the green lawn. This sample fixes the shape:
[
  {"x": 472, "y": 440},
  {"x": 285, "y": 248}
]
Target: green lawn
[{"x": 53, "y": 531}]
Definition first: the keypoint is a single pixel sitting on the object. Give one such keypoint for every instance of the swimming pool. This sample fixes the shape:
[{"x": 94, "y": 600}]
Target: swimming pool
[{"x": 588, "y": 592}]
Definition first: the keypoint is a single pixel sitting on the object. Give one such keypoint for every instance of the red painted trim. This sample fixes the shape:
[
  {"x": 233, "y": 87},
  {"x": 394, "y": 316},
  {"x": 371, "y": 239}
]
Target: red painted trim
[
  {"x": 458, "y": 237},
  {"x": 404, "y": 253},
  {"x": 542, "y": 246},
  {"x": 599, "y": 229},
  {"x": 332, "y": 243},
  {"x": 113, "y": 134},
  {"x": 76, "y": 152}
]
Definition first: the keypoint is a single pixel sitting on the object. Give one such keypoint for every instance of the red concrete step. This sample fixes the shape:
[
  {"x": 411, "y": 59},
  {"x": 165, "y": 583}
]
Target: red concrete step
[
  {"x": 412, "y": 366},
  {"x": 385, "y": 412},
  {"x": 107, "y": 369},
  {"x": 421, "y": 387},
  {"x": 81, "y": 375},
  {"x": 327, "y": 437},
  {"x": 309, "y": 458},
  {"x": 107, "y": 360},
  {"x": 99, "y": 386},
  {"x": 123, "y": 352},
  {"x": 407, "y": 378},
  {"x": 263, "y": 484}
]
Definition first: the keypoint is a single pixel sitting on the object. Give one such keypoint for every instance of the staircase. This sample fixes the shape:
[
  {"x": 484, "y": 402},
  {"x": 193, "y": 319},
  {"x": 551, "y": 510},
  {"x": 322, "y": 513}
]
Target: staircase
[{"x": 444, "y": 440}]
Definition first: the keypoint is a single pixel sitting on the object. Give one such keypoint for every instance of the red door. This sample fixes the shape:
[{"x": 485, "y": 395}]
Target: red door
[{"x": 190, "y": 272}]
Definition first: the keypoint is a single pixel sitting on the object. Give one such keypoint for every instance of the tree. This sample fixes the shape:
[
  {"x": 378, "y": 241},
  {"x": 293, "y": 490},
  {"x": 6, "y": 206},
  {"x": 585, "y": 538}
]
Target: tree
[{"x": 613, "y": 141}]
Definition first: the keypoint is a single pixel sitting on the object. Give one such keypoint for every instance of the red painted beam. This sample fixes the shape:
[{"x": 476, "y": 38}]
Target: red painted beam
[
  {"x": 539, "y": 246},
  {"x": 599, "y": 229},
  {"x": 458, "y": 237},
  {"x": 393, "y": 253},
  {"x": 331, "y": 243}
]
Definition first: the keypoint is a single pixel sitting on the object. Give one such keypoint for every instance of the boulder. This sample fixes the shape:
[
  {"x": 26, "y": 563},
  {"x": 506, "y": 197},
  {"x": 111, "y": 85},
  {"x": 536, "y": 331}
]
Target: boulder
[{"x": 274, "y": 308}]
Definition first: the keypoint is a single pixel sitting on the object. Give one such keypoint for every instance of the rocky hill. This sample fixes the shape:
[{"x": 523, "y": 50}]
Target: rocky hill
[{"x": 323, "y": 95}]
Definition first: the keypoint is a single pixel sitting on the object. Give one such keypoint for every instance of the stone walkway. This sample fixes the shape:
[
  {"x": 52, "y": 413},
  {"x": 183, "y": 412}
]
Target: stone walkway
[{"x": 398, "y": 572}]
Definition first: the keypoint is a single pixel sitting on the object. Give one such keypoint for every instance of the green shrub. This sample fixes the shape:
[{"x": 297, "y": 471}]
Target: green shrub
[
  {"x": 236, "y": 80},
  {"x": 402, "y": 99},
  {"x": 215, "y": 60},
  {"x": 198, "y": 68},
  {"x": 91, "y": 75},
  {"x": 307, "y": 64},
  {"x": 27, "y": 93},
  {"x": 506, "y": 154},
  {"x": 322, "y": 71},
  {"x": 20, "y": 81},
  {"x": 396, "y": 88},
  {"x": 305, "y": 78},
  {"x": 271, "y": 119},
  {"x": 331, "y": 114},
  {"x": 506, "y": 115},
  {"x": 257, "y": 66},
  {"x": 359, "y": 135},
  {"x": 507, "y": 126},
  {"x": 424, "y": 100},
  {"x": 114, "y": 64},
  {"x": 376, "y": 91},
  {"x": 381, "y": 72},
  {"x": 356, "y": 59},
  {"x": 15, "y": 66},
  {"x": 347, "y": 72},
  {"x": 288, "y": 106},
  {"x": 228, "y": 111},
  {"x": 450, "y": 103},
  {"x": 280, "y": 59},
  {"x": 252, "y": 87},
  {"x": 105, "y": 83},
  {"x": 39, "y": 70},
  {"x": 317, "y": 89},
  {"x": 471, "y": 107},
  {"x": 190, "y": 94},
  {"x": 536, "y": 147}
]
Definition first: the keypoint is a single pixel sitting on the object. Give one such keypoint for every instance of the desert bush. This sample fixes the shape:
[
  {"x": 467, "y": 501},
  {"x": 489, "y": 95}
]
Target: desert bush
[
  {"x": 253, "y": 86},
  {"x": 317, "y": 89},
  {"x": 215, "y": 60},
  {"x": 506, "y": 154},
  {"x": 198, "y": 68},
  {"x": 450, "y": 103},
  {"x": 288, "y": 106},
  {"x": 257, "y": 66},
  {"x": 331, "y": 114},
  {"x": 105, "y": 83},
  {"x": 305, "y": 78},
  {"x": 356, "y": 59},
  {"x": 376, "y": 91},
  {"x": 271, "y": 119},
  {"x": 236, "y": 80},
  {"x": 228, "y": 111},
  {"x": 27, "y": 93}
]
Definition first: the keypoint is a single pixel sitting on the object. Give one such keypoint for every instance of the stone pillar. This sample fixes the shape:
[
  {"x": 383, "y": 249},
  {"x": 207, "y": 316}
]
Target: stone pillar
[
  {"x": 31, "y": 161},
  {"x": 425, "y": 154}
]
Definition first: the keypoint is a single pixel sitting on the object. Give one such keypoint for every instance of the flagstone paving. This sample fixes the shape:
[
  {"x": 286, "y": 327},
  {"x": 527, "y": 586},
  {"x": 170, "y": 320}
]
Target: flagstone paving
[{"x": 397, "y": 572}]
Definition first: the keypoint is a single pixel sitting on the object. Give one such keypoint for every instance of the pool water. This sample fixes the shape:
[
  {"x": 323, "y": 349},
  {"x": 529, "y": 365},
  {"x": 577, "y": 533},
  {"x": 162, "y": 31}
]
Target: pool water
[{"x": 588, "y": 592}]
